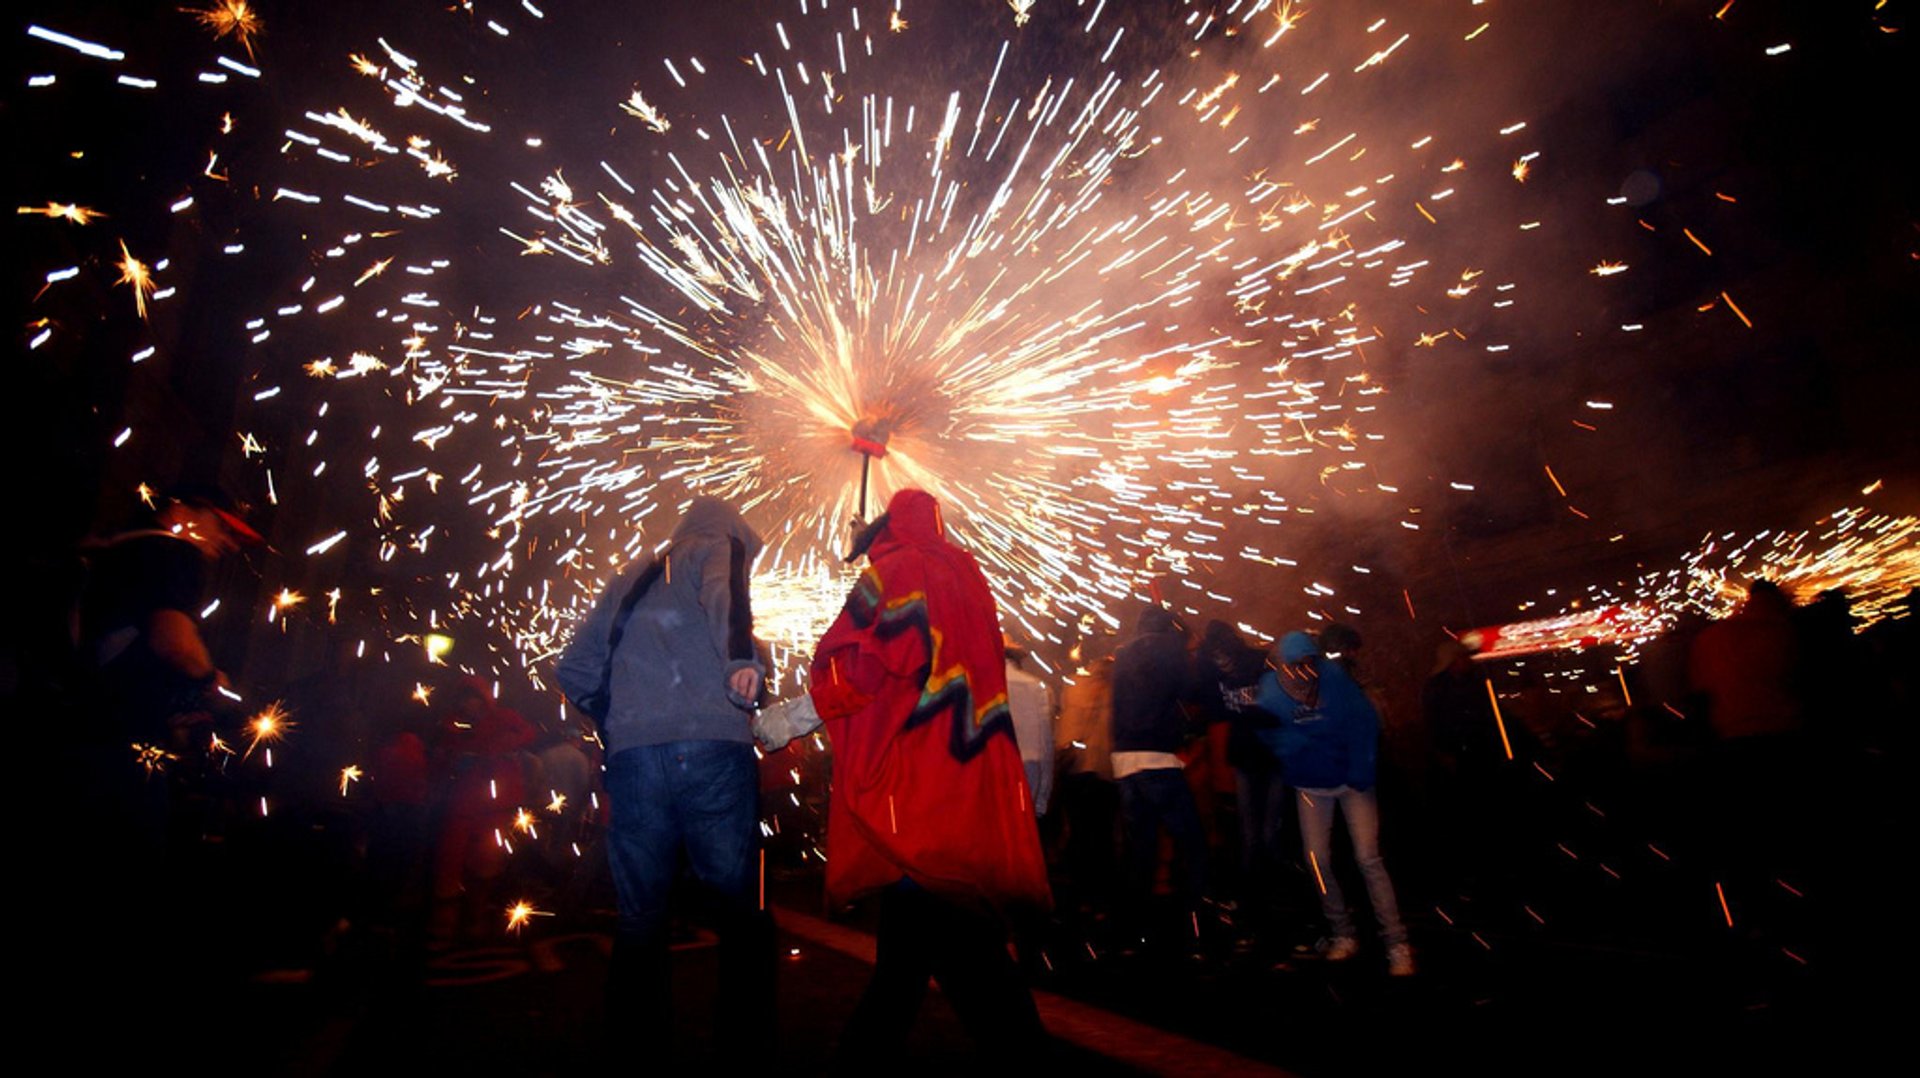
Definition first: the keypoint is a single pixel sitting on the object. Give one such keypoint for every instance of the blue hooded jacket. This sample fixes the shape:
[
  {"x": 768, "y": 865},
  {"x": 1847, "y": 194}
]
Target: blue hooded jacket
[{"x": 1333, "y": 742}]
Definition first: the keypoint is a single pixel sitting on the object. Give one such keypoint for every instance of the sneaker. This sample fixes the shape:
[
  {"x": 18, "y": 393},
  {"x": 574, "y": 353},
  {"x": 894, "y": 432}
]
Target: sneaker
[
  {"x": 1400, "y": 960},
  {"x": 1337, "y": 948}
]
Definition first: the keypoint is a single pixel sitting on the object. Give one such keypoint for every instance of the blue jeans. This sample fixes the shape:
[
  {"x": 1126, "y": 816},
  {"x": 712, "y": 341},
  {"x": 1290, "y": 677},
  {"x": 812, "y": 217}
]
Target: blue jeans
[
  {"x": 700, "y": 798},
  {"x": 1152, "y": 799},
  {"x": 1361, "y": 809},
  {"x": 1261, "y": 800}
]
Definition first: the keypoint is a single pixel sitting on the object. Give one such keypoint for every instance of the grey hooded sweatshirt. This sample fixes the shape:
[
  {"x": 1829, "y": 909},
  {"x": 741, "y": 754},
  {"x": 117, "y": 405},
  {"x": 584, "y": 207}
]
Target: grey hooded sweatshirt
[{"x": 689, "y": 632}]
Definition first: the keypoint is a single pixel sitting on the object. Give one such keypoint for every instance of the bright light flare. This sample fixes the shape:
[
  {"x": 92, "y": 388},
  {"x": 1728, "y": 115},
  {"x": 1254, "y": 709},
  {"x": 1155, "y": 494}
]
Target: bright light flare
[
  {"x": 520, "y": 913},
  {"x": 268, "y": 725}
]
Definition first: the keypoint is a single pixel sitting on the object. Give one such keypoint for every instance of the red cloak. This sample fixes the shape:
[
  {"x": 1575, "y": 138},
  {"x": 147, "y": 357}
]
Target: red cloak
[{"x": 911, "y": 682}]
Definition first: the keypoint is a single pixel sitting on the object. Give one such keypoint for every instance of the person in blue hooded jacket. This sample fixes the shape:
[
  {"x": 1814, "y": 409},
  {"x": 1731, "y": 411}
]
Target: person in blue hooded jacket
[{"x": 1328, "y": 742}]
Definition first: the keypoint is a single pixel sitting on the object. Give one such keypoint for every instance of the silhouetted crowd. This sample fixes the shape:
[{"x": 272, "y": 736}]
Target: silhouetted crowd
[{"x": 1200, "y": 797}]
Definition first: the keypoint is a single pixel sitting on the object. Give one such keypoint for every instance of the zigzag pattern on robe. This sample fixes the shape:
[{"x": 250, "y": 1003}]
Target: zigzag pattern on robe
[{"x": 943, "y": 689}]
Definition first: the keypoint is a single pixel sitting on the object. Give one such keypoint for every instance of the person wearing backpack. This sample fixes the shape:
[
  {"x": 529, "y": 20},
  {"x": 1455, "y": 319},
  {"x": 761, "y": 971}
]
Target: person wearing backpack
[{"x": 666, "y": 664}]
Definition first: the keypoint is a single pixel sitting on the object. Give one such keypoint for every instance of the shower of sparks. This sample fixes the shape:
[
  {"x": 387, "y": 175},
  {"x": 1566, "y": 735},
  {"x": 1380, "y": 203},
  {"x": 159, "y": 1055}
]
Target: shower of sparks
[
  {"x": 1093, "y": 354},
  {"x": 1872, "y": 558},
  {"x": 558, "y": 803},
  {"x": 524, "y": 822},
  {"x": 230, "y": 18},
  {"x": 349, "y": 775},
  {"x": 1127, "y": 310}
]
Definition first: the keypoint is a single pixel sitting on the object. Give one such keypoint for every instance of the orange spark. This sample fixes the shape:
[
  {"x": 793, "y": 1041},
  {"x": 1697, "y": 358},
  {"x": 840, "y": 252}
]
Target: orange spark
[
  {"x": 1688, "y": 232},
  {"x": 79, "y": 215},
  {"x": 269, "y": 725},
  {"x": 1735, "y": 308},
  {"x": 230, "y": 18},
  {"x": 520, "y": 913},
  {"x": 373, "y": 271},
  {"x": 1498, "y": 720},
  {"x": 135, "y": 273}
]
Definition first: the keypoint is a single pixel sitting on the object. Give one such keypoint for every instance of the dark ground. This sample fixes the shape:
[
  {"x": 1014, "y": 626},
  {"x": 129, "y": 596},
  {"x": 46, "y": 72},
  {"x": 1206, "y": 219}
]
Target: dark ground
[{"x": 1581, "y": 979}]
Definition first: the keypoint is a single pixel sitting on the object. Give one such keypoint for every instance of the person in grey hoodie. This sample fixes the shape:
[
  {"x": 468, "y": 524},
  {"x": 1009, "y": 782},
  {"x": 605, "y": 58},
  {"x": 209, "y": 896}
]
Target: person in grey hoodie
[{"x": 670, "y": 644}]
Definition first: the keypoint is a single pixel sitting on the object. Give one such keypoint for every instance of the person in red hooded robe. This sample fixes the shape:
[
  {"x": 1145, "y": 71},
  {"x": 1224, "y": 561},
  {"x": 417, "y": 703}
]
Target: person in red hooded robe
[{"x": 929, "y": 804}]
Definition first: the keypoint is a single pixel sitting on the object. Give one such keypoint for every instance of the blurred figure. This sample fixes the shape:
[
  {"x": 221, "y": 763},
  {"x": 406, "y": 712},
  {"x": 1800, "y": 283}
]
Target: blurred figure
[
  {"x": 1748, "y": 672},
  {"x": 1747, "y": 668},
  {"x": 1461, "y": 728},
  {"x": 1152, "y": 678},
  {"x": 1328, "y": 739},
  {"x": 139, "y": 905},
  {"x": 1031, "y": 704},
  {"x": 670, "y": 645},
  {"x": 1259, "y": 790},
  {"x": 929, "y": 799},
  {"x": 140, "y": 629},
  {"x": 1089, "y": 802},
  {"x": 150, "y": 679},
  {"x": 1341, "y": 642},
  {"x": 479, "y": 755},
  {"x": 400, "y": 838},
  {"x": 1468, "y": 774}
]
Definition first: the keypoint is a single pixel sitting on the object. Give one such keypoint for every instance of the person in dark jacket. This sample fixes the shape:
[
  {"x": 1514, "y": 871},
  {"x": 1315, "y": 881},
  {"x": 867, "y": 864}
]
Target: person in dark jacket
[
  {"x": 1328, "y": 741},
  {"x": 681, "y": 774},
  {"x": 1152, "y": 678},
  {"x": 1235, "y": 667}
]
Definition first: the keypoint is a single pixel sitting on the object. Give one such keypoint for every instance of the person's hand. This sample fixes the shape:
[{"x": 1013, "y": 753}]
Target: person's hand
[{"x": 745, "y": 683}]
